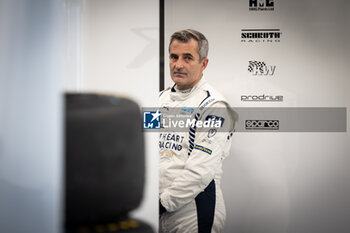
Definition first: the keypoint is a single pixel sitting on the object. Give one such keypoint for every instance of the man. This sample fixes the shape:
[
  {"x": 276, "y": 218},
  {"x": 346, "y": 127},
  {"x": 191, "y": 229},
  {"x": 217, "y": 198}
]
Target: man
[{"x": 190, "y": 161}]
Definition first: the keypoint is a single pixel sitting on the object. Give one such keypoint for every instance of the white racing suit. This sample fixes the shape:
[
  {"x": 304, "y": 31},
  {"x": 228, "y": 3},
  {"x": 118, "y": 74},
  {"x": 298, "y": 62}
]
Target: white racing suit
[{"x": 191, "y": 164}]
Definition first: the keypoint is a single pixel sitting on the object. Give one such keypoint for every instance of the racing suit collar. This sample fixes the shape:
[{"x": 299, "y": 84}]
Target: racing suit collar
[{"x": 177, "y": 95}]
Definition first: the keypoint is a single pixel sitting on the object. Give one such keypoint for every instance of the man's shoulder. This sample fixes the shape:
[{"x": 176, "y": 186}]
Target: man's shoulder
[
  {"x": 213, "y": 97},
  {"x": 216, "y": 102},
  {"x": 213, "y": 92}
]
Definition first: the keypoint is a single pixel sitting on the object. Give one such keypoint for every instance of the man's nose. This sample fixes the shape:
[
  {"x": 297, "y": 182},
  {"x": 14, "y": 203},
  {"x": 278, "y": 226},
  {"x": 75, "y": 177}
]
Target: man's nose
[{"x": 179, "y": 64}]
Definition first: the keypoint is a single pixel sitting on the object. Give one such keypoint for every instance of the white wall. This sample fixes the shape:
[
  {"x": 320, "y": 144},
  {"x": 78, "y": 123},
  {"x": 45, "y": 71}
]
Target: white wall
[
  {"x": 279, "y": 182},
  {"x": 113, "y": 48}
]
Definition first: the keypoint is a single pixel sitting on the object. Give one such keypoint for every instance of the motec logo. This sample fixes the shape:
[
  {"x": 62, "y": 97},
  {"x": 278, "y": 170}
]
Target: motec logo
[
  {"x": 259, "y": 68},
  {"x": 262, "y": 124},
  {"x": 261, "y": 5},
  {"x": 260, "y": 35}
]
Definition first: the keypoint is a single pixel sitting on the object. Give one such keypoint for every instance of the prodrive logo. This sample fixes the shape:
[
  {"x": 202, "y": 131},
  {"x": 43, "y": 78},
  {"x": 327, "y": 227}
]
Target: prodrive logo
[{"x": 262, "y": 98}]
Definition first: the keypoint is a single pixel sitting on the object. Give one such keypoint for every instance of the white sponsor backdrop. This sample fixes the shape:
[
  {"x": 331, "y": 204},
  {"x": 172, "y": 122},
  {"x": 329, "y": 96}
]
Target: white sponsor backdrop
[{"x": 279, "y": 182}]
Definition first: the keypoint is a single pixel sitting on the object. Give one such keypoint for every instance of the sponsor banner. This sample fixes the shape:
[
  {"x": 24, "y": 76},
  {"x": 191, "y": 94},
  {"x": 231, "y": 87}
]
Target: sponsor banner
[
  {"x": 263, "y": 119},
  {"x": 260, "y": 35},
  {"x": 261, "y": 5},
  {"x": 291, "y": 119},
  {"x": 260, "y": 68}
]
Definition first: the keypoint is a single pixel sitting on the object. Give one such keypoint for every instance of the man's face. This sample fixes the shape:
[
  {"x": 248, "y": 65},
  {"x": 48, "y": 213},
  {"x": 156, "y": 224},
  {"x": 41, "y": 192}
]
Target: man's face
[{"x": 185, "y": 67}]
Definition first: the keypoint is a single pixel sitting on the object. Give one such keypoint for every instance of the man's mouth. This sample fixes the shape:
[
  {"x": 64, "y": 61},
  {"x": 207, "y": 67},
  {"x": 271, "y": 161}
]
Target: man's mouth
[{"x": 179, "y": 73}]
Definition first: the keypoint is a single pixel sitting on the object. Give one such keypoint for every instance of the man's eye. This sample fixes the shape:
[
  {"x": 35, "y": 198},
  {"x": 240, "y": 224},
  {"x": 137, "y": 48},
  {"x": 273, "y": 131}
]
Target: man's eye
[
  {"x": 188, "y": 58},
  {"x": 173, "y": 57}
]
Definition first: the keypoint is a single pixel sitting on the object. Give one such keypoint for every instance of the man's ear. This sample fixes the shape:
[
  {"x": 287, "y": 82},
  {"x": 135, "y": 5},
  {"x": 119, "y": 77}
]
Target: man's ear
[{"x": 204, "y": 64}]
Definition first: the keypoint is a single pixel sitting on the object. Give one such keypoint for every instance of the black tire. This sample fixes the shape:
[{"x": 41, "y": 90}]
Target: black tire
[{"x": 104, "y": 158}]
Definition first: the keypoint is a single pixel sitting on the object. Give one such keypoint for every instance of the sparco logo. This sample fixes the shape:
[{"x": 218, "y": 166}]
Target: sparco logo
[
  {"x": 261, "y": 5},
  {"x": 261, "y": 35},
  {"x": 262, "y": 124},
  {"x": 260, "y": 68},
  {"x": 262, "y": 98}
]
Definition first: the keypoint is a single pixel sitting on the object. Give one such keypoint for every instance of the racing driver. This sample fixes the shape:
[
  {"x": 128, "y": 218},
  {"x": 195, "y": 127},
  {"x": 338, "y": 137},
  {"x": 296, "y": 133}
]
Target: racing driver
[{"x": 190, "y": 196}]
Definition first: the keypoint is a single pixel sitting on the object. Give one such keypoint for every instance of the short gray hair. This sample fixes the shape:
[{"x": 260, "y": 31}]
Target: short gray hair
[{"x": 188, "y": 34}]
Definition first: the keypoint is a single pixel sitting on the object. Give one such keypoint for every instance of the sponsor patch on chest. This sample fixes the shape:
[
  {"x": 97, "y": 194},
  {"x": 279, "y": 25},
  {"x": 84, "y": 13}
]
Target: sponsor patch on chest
[
  {"x": 217, "y": 119},
  {"x": 202, "y": 148}
]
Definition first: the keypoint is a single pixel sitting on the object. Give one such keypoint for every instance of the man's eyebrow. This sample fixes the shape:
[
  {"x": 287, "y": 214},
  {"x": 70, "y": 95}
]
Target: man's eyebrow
[{"x": 188, "y": 54}]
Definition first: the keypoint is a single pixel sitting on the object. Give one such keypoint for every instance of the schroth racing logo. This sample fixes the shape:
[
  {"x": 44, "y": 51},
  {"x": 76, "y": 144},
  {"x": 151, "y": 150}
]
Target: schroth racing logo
[{"x": 260, "y": 35}]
